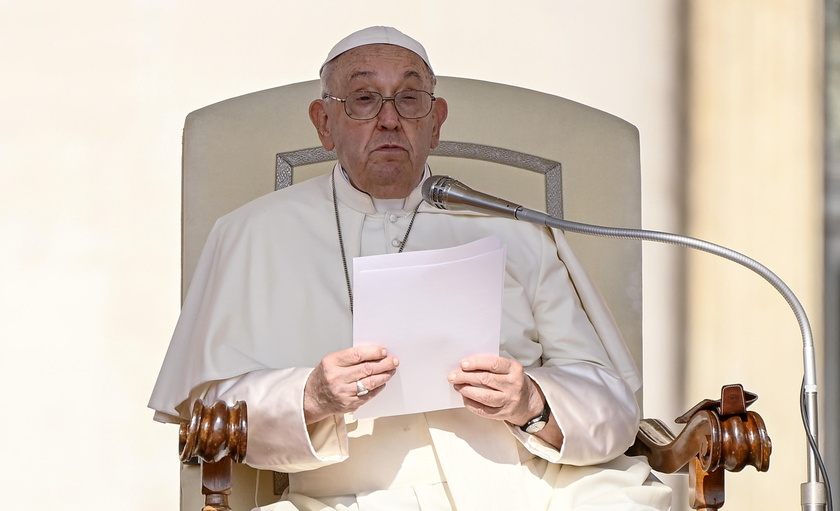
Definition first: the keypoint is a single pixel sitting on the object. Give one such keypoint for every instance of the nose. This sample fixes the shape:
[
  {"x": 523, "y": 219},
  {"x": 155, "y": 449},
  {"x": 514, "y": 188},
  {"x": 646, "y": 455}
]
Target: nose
[{"x": 388, "y": 118}]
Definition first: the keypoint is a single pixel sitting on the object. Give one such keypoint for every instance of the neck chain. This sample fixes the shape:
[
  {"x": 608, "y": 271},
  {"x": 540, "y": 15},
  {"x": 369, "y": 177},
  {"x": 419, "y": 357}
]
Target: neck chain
[{"x": 341, "y": 239}]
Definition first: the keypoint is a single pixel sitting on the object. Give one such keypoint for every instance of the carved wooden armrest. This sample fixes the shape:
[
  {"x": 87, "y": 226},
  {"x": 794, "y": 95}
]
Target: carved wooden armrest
[
  {"x": 218, "y": 436},
  {"x": 718, "y": 436}
]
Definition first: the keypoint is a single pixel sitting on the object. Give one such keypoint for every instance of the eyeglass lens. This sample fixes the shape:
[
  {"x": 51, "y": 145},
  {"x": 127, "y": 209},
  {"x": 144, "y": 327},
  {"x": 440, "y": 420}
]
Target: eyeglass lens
[{"x": 410, "y": 104}]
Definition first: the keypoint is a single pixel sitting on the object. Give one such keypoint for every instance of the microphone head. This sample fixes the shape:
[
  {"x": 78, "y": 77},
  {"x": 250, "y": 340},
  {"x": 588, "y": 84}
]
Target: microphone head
[
  {"x": 444, "y": 192},
  {"x": 435, "y": 190}
]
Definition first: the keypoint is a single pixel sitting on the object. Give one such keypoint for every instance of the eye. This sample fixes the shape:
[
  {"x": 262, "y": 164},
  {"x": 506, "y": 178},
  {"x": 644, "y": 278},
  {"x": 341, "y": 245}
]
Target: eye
[{"x": 364, "y": 97}]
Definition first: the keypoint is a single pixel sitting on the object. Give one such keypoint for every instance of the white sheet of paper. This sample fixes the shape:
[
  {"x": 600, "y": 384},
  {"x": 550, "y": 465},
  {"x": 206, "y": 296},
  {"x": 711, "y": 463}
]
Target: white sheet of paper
[{"x": 430, "y": 309}]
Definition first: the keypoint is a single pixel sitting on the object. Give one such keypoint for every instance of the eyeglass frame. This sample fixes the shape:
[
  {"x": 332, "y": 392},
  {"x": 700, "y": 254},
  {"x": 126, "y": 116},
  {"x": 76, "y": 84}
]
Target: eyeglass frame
[{"x": 393, "y": 98}]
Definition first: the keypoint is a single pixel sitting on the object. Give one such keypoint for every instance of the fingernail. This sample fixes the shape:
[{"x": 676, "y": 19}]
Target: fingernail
[
  {"x": 465, "y": 364},
  {"x": 396, "y": 362},
  {"x": 451, "y": 376}
]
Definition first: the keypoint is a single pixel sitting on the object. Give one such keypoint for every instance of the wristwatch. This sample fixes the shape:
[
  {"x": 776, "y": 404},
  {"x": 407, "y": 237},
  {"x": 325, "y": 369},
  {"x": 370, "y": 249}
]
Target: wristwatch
[{"x": 536, "y": 424}]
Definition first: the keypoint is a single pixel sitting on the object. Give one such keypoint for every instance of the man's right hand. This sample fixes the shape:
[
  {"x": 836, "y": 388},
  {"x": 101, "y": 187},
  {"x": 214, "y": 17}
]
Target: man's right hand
[{"x": 331, "y": 387}]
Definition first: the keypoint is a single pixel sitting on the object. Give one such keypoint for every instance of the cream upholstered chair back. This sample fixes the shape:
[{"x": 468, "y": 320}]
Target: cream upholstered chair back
[{"x": 584, "y": 165}]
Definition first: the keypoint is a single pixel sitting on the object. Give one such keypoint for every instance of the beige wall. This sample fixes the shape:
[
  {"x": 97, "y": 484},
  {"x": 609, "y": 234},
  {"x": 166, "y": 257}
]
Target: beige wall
[
  {"x": 94, "y": 97},
  {"x": 755, "y": 184}
]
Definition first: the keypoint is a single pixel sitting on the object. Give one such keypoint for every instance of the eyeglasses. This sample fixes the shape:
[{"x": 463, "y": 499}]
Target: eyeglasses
[{"x": 364, "y": 105}]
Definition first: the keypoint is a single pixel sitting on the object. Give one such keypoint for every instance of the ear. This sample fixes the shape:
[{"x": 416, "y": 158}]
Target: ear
[
  {"x": 319, "y": 117},
  {"x": 440, "y": 110}
]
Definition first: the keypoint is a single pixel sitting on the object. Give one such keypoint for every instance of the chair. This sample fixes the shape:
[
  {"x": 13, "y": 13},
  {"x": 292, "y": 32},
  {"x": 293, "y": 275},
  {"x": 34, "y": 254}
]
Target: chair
[{"x": 545, "y": 152}]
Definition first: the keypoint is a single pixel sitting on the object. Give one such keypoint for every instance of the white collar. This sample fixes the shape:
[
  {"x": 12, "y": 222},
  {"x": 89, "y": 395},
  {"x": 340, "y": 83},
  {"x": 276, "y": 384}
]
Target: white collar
[{"x": 364, "y": 202}]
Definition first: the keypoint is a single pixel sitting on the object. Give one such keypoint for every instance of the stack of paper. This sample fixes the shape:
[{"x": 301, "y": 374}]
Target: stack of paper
[{"x": 430, "y": 309}]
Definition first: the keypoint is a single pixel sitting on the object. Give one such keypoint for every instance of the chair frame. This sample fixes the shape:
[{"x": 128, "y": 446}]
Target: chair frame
[
  {"x": 719, "y": 435},
  {"x": 552, "y": 170}
]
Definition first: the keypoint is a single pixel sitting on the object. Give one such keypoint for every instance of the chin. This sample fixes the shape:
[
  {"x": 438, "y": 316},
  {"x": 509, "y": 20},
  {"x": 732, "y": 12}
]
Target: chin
[{"x": 396, "y": 180}]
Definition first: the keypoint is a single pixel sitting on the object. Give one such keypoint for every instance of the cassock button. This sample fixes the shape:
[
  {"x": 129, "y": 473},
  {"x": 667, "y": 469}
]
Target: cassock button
[
  {"x": 393, "y": 218},
  {"x": 395, "y": 242}
]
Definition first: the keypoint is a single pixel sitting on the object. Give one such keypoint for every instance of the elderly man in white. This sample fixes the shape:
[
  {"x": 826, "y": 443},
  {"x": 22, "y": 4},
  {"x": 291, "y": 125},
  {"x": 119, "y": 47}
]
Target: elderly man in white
[{"x": 268, "y": 320}]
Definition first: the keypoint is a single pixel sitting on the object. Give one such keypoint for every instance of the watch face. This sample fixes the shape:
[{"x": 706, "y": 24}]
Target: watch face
[
  {"x": 535, "y": 427},
  {"x": 537, "y": 424}
]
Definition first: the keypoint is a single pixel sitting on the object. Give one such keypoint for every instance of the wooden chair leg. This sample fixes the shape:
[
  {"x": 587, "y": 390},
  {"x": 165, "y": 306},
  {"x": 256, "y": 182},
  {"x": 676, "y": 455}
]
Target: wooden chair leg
[
  {"x": 706, "y": 490},
  {"x": 217, "y": 484},
  {"x": 218, "y": 436}
]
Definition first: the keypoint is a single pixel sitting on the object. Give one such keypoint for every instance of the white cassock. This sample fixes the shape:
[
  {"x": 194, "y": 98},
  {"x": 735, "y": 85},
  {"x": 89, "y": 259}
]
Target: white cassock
[{"x": 269, "y": 300}]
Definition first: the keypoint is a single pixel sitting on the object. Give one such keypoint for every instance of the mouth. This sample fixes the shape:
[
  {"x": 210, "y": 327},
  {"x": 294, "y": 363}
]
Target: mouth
[{"x": 389, "y": 148}]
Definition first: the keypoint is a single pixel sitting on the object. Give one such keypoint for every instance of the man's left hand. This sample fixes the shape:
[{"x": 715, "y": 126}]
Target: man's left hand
[{"x": 497, "y": 388}]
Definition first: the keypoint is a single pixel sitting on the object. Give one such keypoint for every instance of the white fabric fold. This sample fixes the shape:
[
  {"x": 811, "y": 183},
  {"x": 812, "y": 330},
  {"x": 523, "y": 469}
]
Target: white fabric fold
[{"x": 264, "y": 307}]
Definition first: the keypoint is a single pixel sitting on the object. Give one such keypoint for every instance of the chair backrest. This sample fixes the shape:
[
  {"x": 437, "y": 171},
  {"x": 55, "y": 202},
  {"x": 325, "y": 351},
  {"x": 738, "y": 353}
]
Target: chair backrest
[{"x": 546, "y": 152}]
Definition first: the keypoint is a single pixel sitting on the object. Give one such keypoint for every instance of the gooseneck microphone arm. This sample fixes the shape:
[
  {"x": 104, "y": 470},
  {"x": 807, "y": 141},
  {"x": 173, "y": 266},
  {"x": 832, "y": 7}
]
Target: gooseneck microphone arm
[{"x": 444, "y": 192}]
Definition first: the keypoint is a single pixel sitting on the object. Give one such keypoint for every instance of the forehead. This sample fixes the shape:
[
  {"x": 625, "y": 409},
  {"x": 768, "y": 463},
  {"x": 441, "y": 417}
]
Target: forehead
[{"x": 378, "y": 62}]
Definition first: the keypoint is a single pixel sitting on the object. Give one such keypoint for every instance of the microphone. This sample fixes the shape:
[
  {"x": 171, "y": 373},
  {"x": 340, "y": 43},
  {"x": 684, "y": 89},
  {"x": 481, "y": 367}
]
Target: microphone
[{"x": 444, "y": 192}]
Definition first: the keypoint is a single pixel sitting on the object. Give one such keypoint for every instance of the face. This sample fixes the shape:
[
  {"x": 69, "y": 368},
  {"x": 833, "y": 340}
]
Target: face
[{"x": 384, "y": 156}]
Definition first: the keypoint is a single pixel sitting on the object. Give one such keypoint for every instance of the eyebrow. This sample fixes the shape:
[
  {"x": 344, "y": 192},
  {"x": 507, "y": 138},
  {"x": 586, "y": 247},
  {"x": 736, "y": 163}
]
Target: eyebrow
[
  {"x": 412, "y": 74},
  {"x": 365, "y": 74},
  {"x": 361, "y": 74}
]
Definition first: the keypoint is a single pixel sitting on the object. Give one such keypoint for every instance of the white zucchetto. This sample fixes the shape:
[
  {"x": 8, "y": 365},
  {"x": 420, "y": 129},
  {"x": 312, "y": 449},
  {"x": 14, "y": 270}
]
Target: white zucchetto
[{"x": 377, "y": 35}]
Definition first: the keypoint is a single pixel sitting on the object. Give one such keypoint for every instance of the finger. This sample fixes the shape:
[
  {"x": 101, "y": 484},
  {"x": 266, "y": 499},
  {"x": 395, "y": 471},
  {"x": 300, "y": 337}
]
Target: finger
[
  {"x": 370, "y": 369},
  {"x": 482, "y": 410},
  {"x": 481, "y": 379},
  {"x": 359, "y": 354},
  {"x": 491, "y": 363},
  {"x": 483, "y": 397},
  {"x": 360, "y": 400},
  {"x": 372, "y": 383}
]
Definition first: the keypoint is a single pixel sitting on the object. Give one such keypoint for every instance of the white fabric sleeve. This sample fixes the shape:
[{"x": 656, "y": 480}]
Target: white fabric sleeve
[
  {"x": 591, "y": 402},
  {"x": 278, "y": 437},
  {"x": 595, "y": 409}
]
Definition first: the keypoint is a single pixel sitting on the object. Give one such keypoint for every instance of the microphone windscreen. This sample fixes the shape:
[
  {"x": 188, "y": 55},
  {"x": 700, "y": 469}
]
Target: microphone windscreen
[{"x": 434, "y": 190}]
